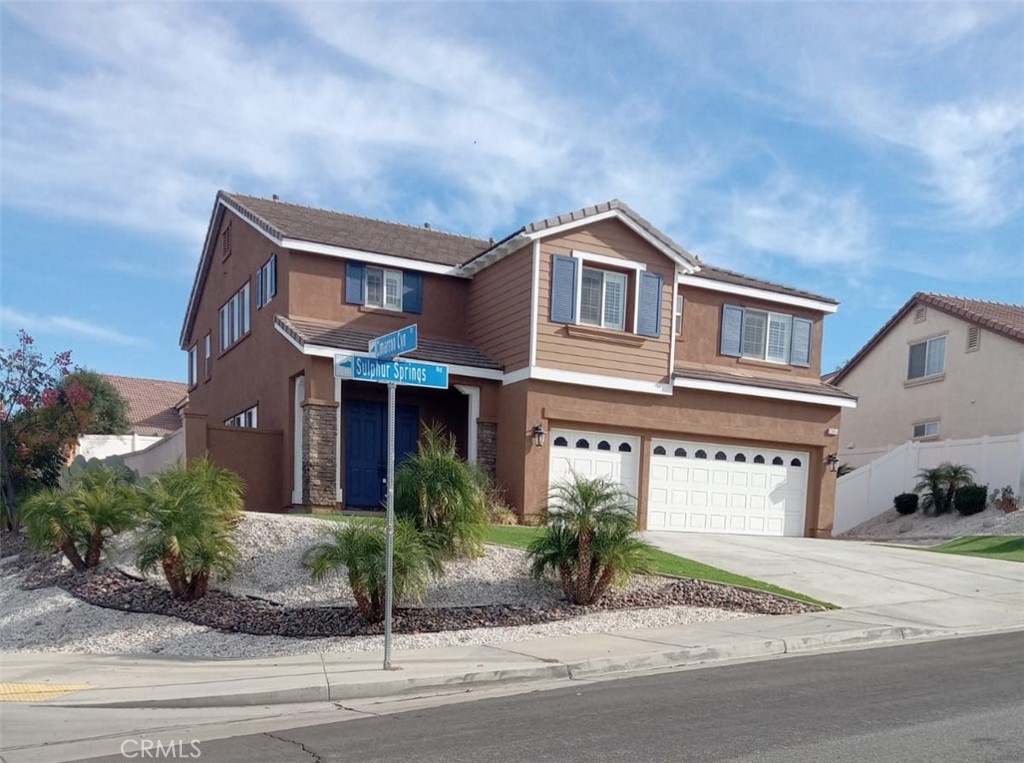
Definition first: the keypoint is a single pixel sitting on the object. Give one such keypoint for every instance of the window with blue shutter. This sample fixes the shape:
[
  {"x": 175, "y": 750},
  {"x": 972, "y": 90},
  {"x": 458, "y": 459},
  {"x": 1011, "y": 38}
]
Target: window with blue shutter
[
  {"x": 801, "y": 352},
  {"x": 563, "y": 289},
  {"x": 732, "y": 330},
  {"x": 648, "y": 319},
  {"x": 354, "y": 275},
  {"x": 412, "y": 292}
]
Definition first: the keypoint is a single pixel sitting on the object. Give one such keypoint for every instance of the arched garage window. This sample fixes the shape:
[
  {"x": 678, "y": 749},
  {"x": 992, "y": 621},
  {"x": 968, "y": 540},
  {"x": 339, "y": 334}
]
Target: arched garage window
[
  {"x": 659, "y": 451},
  {"x": 680, "y": 452},
  {"x": 581, "y": 443},
  {"x": 561, "y": 442},
  {"x": 700, "y": 454},
  {"x": 739, "y": 457},
  {"x": 795, "y": 462},
  {"x": 625, "y": 447},
  {"x": 604, "y": 445},
  {"x": 720, "y": 456},
  {"x": 758, "y": 459},
  {"x": 777, "y": 461}
]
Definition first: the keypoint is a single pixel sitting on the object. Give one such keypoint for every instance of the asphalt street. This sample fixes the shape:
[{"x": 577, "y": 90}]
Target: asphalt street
[{"x": 949, "y": 701}]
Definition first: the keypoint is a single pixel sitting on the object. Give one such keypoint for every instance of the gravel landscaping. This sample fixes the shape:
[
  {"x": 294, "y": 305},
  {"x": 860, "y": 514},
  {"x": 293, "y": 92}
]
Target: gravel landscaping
[
  {"x": 891, "y": 526},
  {"x": 273, "y": 608}
]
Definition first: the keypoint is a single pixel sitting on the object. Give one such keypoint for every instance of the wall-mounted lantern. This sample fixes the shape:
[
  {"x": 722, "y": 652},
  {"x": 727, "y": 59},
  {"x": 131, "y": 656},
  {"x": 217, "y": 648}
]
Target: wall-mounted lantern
[{"x": 538, "y": 436}]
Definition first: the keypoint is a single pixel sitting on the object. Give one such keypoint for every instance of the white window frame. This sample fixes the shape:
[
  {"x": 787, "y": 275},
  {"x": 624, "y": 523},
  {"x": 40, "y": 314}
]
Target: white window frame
[
  {"x": 386, "y": 274},
  {"x": 266, "y": 282},
  {"x": 927, "y": 355},
  {"x": 207, "y": 357},
  {"x": 606, "y": 276},
  {"x": 247, "y": 419},
  {"x": 235, "y": 321},
  {"x": 679, "y": 314},
  {"x": 769, "y": 316},
  {"x": 934, "y": 425},
  {"x": 193, "y": 375}
]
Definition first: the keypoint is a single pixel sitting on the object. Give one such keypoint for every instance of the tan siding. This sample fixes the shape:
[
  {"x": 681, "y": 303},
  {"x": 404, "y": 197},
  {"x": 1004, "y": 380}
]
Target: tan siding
[
  {"x": 556, "y": 348},
  {"x": 498, "y": 316}
]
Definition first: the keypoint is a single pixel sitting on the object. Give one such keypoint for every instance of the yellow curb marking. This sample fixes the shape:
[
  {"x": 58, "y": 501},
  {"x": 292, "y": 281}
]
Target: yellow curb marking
[{"x": 36, "y": 692}]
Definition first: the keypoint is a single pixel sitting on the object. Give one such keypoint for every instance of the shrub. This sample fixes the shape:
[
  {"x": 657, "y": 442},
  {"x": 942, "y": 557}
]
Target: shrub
[
  {"x": 98, "y": 503},
  {"x": 498, "y": 512},
  {"x": 190, "y": 514},
  {"x": 940, "y": 483},
  {"x": 906, "y": 503},
  {"x": 1005, "y": 499},
  {"x": 445, "y": 497},
  {"x": 971, "y": 499},
  {"x": 590, "y": 539},
  {"x": 360, "y": 548}
]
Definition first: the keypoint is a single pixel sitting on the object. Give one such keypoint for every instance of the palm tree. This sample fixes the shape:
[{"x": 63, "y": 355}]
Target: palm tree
[
  {"x": 940, "y": 483},
  {"x": 359, "y": 547},
  {"x": 190, "y": 515},
  {"x": 590, "y": 539},
  {"x": 445, "y": 497},
  {"x": 99, "y": 503}
]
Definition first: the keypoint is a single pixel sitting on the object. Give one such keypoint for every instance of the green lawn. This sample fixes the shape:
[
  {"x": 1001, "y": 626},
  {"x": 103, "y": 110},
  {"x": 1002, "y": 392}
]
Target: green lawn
[{"x": 1007, "y": 547}]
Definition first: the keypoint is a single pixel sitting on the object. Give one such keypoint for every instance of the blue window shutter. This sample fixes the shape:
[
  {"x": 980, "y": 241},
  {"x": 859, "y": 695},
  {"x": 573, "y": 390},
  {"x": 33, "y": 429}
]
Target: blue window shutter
[
  {"x": 412, "y": 292},
  {"x": 563, "y": 289},
  {"x": 800, "y": 354},
  {"x": 732, "y": 330},
  {"x": 354, "y": 277},
  {"x": 648, "y": 319}
]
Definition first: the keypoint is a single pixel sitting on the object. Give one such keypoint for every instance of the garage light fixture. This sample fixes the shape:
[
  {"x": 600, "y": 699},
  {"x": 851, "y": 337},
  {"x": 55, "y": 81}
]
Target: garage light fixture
[
  {"x": 832, "y": 460},
  {"x": 538, "y": 435}
]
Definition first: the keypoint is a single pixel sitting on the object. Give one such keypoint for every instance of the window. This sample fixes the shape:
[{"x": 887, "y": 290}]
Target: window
[
  {"x": 777, "y": 461},
  {"x": 764, "y": 335},
  {"x": 739, "y": 457},
  {"x": 625, "y": 447},
  {"x": 207, "y": 356},
  {"x": 700, "y": 454},
  {"x": 758, "y": 459},
  {"x": 973, "y": 338},
  {"x": 561, "y": 442},
  {"x": 679, "y": 314},
  {"x": 384, "y": 288},
  {"x": 927, "y": 358},
  {"x": 680, "y": 453},
  {"x": 582, "y": 444},
  {"x": 247, "y": 419},
  {"x": 604, "y": 445},
  {"x": 603, "y": 299},
  {"x": 795, "y": 462},
  {"x": 266, "y": 282},
  {"x": 234, "y": 318},
  {"x": 720, "y": 456},
  {"x": 659, "y": 450},
  {"x": 926, "y": 429},
  {"x": 192, "y": 375}
]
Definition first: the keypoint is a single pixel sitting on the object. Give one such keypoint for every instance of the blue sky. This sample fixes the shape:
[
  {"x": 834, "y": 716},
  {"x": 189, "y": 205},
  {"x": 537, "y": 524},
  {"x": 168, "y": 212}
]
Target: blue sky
[{"x": 862, "y": 151}]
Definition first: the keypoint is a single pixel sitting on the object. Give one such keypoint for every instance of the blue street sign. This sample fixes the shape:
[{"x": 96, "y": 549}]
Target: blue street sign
[
  {"x": 396, "y": 343},
  {"x": 404, "y": 372}
]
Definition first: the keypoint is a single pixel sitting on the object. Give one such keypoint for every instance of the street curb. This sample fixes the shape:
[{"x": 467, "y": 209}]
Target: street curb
[{"x": 330, "y": 690}]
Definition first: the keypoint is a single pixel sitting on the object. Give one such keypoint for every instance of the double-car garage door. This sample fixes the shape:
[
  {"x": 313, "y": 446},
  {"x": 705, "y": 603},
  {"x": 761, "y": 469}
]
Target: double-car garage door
[{"x": 696, "y": 486}]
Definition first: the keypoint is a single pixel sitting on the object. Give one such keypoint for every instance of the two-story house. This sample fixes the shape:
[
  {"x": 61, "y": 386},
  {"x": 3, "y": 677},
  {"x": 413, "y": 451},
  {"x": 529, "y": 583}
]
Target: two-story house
[
  {"x": 589, "y": 341},
  {"x": 942, "y": 368}
]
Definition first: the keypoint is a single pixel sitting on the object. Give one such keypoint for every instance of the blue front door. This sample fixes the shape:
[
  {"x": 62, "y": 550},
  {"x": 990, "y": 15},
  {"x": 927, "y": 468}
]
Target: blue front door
[{"x": 366, "y": 449}]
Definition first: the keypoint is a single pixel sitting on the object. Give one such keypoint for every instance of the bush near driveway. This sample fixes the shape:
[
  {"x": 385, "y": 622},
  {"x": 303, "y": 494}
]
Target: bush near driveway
[
  {"x": 970, "y": 499},
  {"x": 906, "y": 503}
]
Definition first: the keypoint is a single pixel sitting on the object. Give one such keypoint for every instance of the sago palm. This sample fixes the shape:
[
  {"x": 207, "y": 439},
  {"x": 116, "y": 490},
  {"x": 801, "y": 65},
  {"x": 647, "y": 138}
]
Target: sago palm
[
  {"x": 445, "y": 497},
  {"x": 190, "y": 515},
  {"x": 359, "y": 547},
  {"x": 590, "y": 539},
  {"x": 940, "y": 483}
]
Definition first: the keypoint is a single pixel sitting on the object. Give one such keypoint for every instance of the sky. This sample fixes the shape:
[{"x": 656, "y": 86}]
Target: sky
[{"x": 861, "y": 151}]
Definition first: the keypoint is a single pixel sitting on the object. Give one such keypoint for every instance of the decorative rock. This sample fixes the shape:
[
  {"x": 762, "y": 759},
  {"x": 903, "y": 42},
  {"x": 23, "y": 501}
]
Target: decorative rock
[
  {"x": 905, "y": 526},
  {"x": 989, "y": 522}
]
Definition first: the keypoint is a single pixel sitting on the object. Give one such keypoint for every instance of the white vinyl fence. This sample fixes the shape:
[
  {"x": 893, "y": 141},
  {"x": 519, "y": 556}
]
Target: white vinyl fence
[
  {"x": 166, "y": 452},
  {"x": 868, "y": 491},
  {"x": 102, "y": 445}
]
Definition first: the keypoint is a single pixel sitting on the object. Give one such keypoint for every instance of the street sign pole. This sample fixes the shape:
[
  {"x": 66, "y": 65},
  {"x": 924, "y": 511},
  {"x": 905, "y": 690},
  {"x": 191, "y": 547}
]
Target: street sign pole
[{"x": 390, "y": 536}]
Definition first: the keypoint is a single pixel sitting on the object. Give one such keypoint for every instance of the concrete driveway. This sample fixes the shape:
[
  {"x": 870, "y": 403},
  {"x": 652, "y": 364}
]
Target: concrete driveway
[{"x": 942, "y": 589}]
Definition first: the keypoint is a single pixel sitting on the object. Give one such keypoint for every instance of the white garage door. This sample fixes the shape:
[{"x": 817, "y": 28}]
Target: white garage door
[
  {"x": 704, "y": 487},
  {"x": 595, "y": 454}
]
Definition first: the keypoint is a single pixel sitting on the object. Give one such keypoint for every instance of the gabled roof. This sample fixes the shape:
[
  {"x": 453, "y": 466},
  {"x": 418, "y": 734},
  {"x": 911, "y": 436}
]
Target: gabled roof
[
  {"x": 339, "y": 337},
  {"x": 152, "y": 403},
  {"x": 738, "y": 279},
  {"x": 997, "y": 317}
]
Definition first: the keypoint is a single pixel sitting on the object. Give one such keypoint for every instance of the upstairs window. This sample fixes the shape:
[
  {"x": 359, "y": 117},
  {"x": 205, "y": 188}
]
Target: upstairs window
[
  {"x": 207, "y": 357},
  {"x": 247, "y": 419},
  {"x": 679, "y": 314},
  {"x": 234, "y": 318},
  {"x": 192, "y": 362},
  {"x": 603, "y": 299},
  {"x": 926, "y": 429},
  {"x": 764, "y": 335},
  {"x": 266, "y": 282},
  {"x": 383, "y": 288},
  {"x": 927, "y": 358}
]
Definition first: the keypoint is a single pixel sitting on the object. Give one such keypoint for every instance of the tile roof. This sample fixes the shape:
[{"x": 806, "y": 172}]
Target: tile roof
[
  {"x": 998, "y": 317},
  {"x": 738, "y": 279},
  {"x": 339, "y": 336},
  {"x": 151, "y": 403},
  {"x": 322, "y": 226},
  {"x": 810, "y": 386}
]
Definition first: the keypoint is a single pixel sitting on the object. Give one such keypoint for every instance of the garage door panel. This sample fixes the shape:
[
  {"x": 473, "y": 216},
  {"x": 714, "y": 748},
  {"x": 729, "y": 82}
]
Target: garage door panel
[{"x": 597, "y": 454}]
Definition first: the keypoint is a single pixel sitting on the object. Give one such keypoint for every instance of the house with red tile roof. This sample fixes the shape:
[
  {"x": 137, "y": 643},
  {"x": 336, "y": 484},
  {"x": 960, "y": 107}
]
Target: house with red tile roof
[{"x": 154, "y": 413}]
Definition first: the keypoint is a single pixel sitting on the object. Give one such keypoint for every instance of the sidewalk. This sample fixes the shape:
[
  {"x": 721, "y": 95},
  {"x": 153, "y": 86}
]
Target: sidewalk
[{"x": 144, "y": 682}]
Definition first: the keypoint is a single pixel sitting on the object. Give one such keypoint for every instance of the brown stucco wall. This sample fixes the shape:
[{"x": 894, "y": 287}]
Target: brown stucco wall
[
  {"x": 498, "y": 317},
  {"x": 601, "y": 351},
  {"x": 699, "y": 341},
  {"x": 253, "y": 454},
  {"x": 523, "y": 468}
]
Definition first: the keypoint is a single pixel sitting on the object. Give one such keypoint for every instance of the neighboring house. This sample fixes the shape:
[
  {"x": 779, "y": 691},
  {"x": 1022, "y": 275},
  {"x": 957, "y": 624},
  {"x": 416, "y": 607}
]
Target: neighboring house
[
  {"x": 589, "y": 341},
  {"x": 942, "y": 368},
  {"x": 154, "y": 412}
]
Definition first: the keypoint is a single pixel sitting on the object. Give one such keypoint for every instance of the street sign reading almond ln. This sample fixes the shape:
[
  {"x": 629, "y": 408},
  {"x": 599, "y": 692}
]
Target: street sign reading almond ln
[{"x": 396, "y": 343}]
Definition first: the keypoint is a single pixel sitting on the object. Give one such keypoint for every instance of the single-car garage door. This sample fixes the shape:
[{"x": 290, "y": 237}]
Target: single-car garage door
[
  {"x": 714, "y": 488},
  {"x": 595, "y": 454}
]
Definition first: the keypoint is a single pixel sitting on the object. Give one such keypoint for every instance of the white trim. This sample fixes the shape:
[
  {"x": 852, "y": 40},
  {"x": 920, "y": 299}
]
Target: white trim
[
  {"x": 555, "y": 229},
  {"x": 473, "y": 393},
  {"x": 535, "y": 303},
  {"x": 762, "y": 294},
  {"x": 612, "y": 262},
  {"x": 300, "y": 395},
  {"x": 338, "y": 492},
  {"x": 586, "y": 380},
  {"x": 775, "y": 394},
  {"x": 673, "y": 337},
  {"x": 373, "y": 258}
]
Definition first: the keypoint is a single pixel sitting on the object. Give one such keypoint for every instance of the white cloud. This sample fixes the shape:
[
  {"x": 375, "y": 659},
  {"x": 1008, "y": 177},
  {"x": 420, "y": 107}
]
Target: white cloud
[{"x": 65, "y": 325}]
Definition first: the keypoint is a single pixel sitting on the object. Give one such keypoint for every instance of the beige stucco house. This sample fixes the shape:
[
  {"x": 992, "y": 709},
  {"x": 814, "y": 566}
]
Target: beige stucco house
[{"x": 942, "y": 368}]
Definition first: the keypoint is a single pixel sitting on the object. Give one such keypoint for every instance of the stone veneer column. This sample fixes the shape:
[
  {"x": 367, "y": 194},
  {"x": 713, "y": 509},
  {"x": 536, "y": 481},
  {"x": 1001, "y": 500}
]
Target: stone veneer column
[
  {"x": 487, "y": 447},
  {"x": 319, "y": 454}
]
